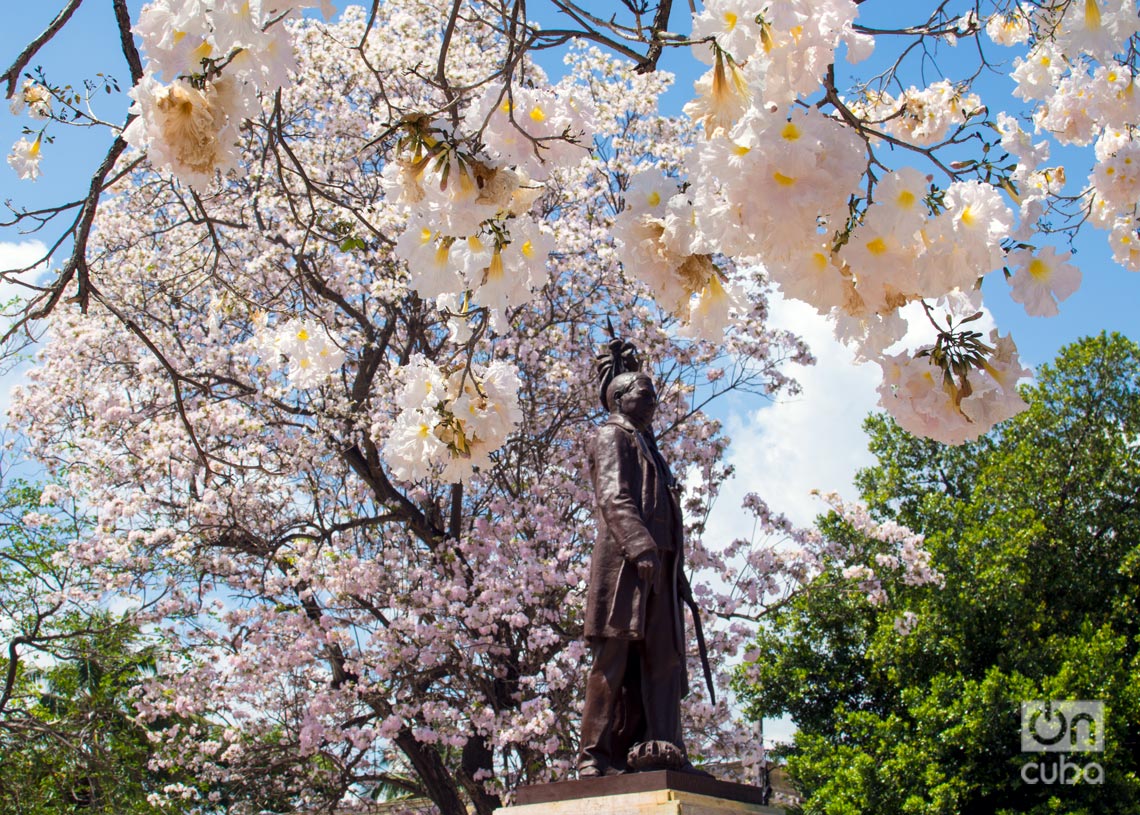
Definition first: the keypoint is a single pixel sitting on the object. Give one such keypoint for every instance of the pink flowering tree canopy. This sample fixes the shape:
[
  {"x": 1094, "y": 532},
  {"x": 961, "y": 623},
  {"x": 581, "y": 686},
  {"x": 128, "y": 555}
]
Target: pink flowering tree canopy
[{"x": 318, "y": 348}]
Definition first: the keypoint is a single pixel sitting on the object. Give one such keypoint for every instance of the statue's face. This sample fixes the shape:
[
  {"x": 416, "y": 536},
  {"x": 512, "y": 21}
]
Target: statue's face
[{"x": 639, "y": 403}]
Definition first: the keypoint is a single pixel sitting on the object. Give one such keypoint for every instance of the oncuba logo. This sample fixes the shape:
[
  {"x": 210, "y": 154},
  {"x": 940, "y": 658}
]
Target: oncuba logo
[{"x": 1069, "y": 726}]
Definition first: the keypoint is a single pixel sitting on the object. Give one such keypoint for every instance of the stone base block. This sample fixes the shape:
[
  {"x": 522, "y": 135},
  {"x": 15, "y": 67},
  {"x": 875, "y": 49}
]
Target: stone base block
[{"x": 656, "y": 793}]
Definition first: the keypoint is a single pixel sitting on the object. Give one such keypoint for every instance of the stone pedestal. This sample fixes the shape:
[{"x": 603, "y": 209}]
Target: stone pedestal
[{"x": 652, "y": 793}]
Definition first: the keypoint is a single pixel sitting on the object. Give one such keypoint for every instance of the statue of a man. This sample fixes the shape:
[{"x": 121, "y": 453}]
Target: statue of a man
[{"x": 633, "y": 612}]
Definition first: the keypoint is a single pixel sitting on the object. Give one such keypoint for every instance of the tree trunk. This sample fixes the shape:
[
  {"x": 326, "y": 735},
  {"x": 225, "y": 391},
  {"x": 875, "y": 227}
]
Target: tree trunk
[
  {"x": 477, "y": 756},
  {"x": 437, "y": 781}
]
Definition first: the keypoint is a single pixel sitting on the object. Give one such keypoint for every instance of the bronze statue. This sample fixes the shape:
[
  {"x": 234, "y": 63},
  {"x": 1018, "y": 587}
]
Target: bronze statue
[{"x": 632, "y": 716}]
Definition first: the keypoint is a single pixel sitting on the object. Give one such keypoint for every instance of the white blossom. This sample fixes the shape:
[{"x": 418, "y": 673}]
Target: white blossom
[
  {"x": 25, "y": 159},
  {"x": 1042, "y": 279}
]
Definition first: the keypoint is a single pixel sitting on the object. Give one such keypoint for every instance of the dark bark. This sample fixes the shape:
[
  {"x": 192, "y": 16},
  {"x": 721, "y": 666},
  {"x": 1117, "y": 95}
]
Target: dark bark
[{"x": 432, "y": 772}]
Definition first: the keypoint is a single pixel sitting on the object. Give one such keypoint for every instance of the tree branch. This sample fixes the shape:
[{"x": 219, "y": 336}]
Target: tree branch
[
  {"x": 12, "y": 75},
  {"x": 127, "y": 40}
]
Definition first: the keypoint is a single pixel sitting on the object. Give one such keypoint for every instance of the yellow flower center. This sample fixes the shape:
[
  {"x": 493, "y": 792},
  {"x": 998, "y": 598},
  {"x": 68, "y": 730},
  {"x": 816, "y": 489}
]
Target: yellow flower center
[
  {"x": 654, "y": 198},
  {"x": 537, "y": 114},
  {"x": 714, "y": 290},
  {"x": 877, "y": 246},
  {"x": 790, "y": 132},
  {"x": 495, "y": 270},
  {"x": 767, "y": 42},
  {"x": 202, "y": 52},
  {"x": 1039, "y": 269},
  {"x": 729, "y": 21},
  {"x": 303, "y": 335},
  {"x": 783, "y": 180},
  {"x": 905, "y": 199},
  {"x": 1092, "y": 15}
]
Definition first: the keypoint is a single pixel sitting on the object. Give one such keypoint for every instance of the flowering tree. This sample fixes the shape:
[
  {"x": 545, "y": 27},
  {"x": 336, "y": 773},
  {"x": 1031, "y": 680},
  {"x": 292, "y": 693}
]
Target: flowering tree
[
  {"x": 320, "y": 353},
  {"x": 859, "y": 200}
]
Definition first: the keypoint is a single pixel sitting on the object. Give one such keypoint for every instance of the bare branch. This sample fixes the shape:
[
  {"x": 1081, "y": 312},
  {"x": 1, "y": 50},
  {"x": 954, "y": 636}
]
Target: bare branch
[
  {"x": 123, "y": 18},
  {"x": 12, "y": 75}
]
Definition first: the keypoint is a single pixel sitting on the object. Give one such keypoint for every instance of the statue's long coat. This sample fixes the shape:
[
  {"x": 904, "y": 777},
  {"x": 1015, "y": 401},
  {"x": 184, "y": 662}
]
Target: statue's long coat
[{"x": 636, "y": 513}]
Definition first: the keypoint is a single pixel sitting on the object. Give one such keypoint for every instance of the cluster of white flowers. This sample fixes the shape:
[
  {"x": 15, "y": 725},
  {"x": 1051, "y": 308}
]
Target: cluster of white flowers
[
  {"x": 922, "y": 116},
  {"x": 206, "y": 64},
  {"x": 774, "y": 181},
  {"x": 904, "y": 553},
  {"x": 471, "y": 227},
  {"x": 783, "y": 49},
  {"x": 662, "y": 246},
  {"x": 1010, "y": 28},
  {"x": 311, "y": 352},
  {"x": 535, "y": 130},
  {"x": 1083, "y": 94},
  {"x": 450, "y": 423},
  {"x": 928, "y": 402},
  {"x": 25, "y": 156},
  {"x": 900, "y": 253},
  {"x": 767, "y": 184},
  {"x": 785, "y": 185}
]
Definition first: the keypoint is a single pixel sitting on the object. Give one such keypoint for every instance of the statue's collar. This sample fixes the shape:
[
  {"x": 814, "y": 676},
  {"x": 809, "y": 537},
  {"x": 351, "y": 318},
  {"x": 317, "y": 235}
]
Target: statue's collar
[{"x": 622, "y": 421}]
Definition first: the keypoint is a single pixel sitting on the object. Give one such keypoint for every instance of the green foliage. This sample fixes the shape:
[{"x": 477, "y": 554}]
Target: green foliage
[
  {"x": 1036, "y": 530},
  {"x": 78, "y": 748},
  {"x": 69, "y": 739}
]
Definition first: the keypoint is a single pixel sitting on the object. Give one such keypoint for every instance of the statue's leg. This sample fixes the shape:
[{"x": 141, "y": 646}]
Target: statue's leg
[
  {"x": 599, "y": 715},
  {"x": 663, "y": 667},
  {"x": 630, "y": 715}
]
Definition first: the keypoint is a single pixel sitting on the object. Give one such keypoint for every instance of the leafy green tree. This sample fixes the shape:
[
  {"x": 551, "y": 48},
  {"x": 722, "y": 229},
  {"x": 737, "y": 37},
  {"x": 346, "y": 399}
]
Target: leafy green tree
[
  {"x": 913, "y": 705},
  {"x": 69, "y": 738},
  {"x": 78, "y": 747}
]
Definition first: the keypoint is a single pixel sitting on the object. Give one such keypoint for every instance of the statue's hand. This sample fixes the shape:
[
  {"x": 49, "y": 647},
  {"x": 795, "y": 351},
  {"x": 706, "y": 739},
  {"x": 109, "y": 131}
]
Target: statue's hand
[{"x": 647, "y": 565}]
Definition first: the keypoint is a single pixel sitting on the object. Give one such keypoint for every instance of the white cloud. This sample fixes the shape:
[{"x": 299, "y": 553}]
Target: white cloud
[
  {"x": 18, "y": 256},
  {"x": 784, "y": 450}
]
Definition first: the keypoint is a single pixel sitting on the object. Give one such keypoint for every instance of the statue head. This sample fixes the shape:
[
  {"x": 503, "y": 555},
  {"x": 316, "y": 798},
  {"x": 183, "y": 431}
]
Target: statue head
[{"x": 633, "y": 396}]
